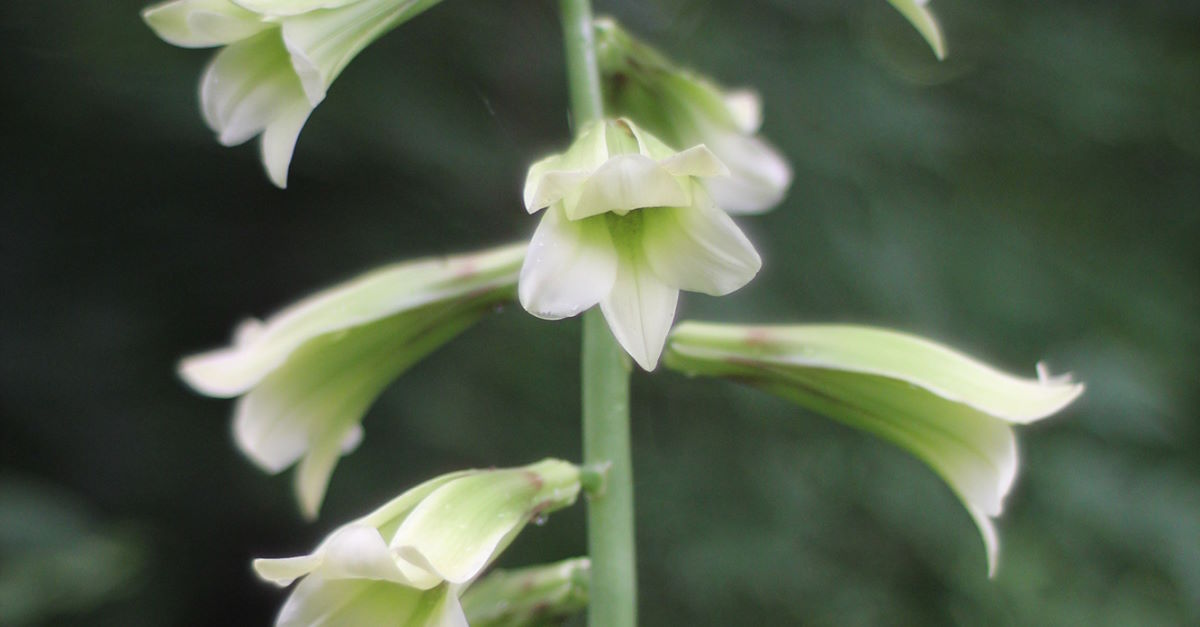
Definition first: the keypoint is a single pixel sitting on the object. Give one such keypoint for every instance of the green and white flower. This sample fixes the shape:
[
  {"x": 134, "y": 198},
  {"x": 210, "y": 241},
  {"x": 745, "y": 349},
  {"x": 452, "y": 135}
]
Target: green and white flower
[
  {"x": 535, "y": 596},
  {"x": 279, "y": 60},
  {"x": 406, "y": 562},
  {"x": 685, "y": 109},
  {"x": 308, "y": 374},
  {"x": 951, "y": 411},
  {"x": 918, "y": 14},
  {"x": 628, "y": 226}
]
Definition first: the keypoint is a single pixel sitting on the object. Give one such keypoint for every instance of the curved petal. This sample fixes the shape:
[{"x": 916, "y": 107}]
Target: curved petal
[
  {"x": 247, "y": 86},
  {"x": 570, "y": 266},
  {"x": 745, "y": 106},
  {"x": 696, "y": 161},
  {"x": 919, "y": 15},
  {"x": 640, "y": 309},
  {"x": 279, "y": 139},
  {"x": 201, "y": 23},
  {"x": 698, "y": 248},
  {"x": 625, "y": 183},
  {"x": 278, "y": 8},
  {"x": 344, "y": 602},
  {"x": 759, "y": 176}
]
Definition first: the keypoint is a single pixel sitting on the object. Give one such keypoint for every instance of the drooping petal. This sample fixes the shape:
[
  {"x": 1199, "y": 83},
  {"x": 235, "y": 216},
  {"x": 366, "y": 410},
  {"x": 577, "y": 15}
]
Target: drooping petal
[
  {"x": 745, "y": 107},
  {"x": 951, "y": 411},
  {"x": 460, "y": 527},
  {"x": 320, "y": 602},
  {"x": 698, "y": 248},
  {"x": 247, "y": 86},
  {"x": 640, "y": 308},
  {"x": 918, "y": 14},
  {"x": 570, "y": 266},
  {"x": 202, "y": 23},
  {"x": 279, "y": 140}
]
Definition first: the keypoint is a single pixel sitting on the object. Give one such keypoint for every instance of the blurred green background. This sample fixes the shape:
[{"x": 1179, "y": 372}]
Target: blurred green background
[{"x": 1033, "y": 197}]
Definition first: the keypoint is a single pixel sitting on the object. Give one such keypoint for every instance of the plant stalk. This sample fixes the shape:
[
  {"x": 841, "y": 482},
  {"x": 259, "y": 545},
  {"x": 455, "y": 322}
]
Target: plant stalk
[{"x": 613, "y": 590}]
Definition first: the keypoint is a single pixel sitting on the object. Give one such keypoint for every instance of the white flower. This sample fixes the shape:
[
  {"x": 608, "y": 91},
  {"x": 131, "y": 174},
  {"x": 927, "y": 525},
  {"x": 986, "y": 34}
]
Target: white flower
[
  {"x": 919, "y": 15},
  {"x": 685, "y": 109},
  {"x": 951, "y": 411},
  {"x": 414, "y": 554},
  {"x": 627, "y": 226},
  {"x": 280, "y": 58},
  {"x": 308, "y": 374}
]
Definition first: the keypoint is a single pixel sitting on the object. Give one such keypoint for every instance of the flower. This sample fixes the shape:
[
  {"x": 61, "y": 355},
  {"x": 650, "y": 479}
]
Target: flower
[
  {"x": 280, "y": 58},
  {"x": 412, "y": 556},
  {"x": 919, "y": 15},
  {"x": 308, "y": 374},
  {"x": 684, "y": 109},
  {"x": 627, "y": 226},
  {"x": 535, "y": 595},
  {"x": 951, "y": 411}
]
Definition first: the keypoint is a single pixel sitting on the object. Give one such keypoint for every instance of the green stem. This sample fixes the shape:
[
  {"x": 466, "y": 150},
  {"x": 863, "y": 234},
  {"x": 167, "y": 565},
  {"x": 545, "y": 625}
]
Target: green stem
[{"x": 613, "y": 591}]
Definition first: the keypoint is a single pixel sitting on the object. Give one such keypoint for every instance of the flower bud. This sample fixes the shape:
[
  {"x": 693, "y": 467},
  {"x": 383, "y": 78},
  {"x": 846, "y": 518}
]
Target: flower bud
[{"x": 529, "y": 597}]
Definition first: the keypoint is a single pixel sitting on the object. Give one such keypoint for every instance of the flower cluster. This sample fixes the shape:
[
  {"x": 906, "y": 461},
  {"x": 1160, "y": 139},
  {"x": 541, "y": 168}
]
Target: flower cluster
[{"x": 280, "y": 58}]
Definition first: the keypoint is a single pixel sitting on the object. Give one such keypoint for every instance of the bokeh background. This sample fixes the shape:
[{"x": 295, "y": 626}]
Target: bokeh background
[{"x": 1033, "y": 197}]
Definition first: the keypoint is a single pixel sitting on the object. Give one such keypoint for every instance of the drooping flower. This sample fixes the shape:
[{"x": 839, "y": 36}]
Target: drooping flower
[
  {"x": 951, "y": 411},
  {"x": 685, "y": 109},
  {"x": 280, "y": 58},
  {"x": 529, "y": 597},
  {"x": 628, "y": 226},
  {"x": 406, "y": 562},
  {"x": 308, "y": 374},
  {"x": 918, "y": 14}
]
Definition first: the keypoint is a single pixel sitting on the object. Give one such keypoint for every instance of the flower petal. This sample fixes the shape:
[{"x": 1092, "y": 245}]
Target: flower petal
[
  {"x": 279, "y": 140},
  {"x": 745, "y": 106},
  {"x": 695, "y": 161},
  {"x": 278, "y": 8},
  {"x": 624, "y": 183},
  {"x": 319, "y": 602},
  {"x": 201, "y": 23},
  {"x": 759, "y": 176},
  {"x": 570, "y": 266},
  {"x": 247, "y": 86},
  {"x": 919, "y": 15},
  {"x": 640, "y": 309},
  {"x": 698, "y": 248}
]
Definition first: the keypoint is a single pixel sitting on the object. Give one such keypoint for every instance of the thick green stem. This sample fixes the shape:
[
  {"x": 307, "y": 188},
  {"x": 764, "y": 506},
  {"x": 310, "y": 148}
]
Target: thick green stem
[{"x": 613, "y": 594}]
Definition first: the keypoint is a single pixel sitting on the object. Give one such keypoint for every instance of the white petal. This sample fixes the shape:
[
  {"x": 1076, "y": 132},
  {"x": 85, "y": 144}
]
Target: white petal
[
  {"x": 640, "y": 309},
  {"x": 923, "y": 20},
  {"x": 279, "y": 140},
  {"x": 570, "y": 266},
  {"x": 290, "y": 7},
  {"x": 625, "y": 183},
  {"x": 201, "y": 23},
  {"x": 284, "y": 570},
  {"x": 357, "y": 551},
  {"x": 746, "y": 108},
  {"x": 759, "y": 176},
  {"x": 695, "y": 161},
  {"x": 247, "y": 86},
  {"x": 698, "y": 248},
  {"x": 319, "y": 602}
]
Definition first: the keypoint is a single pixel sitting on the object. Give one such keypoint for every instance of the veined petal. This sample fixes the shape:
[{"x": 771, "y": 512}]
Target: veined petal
[
  {"x": 260, "y": 348},
  {"x": 698, "y": 248},
  {"x": 201, "y": 23},
  {"x": 247, "y": 86},
  {"x": 570, "y": 266},
  {"x": 625, "y": 183},
  {"x": 639, "y": 309},
  {"x": 323, "y": 42},
  {"x": 919, "y": 15},
  {"x": 319, "y": 602},
  {"x": 460, "y": 527}
]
